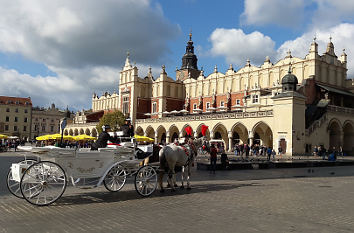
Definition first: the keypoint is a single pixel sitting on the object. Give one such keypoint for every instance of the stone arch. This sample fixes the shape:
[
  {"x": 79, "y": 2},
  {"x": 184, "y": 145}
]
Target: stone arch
[
  {"x": 87, "y": 132},
  {"x": 66, "y": 132},
  {"x": 82, "y": 131},
  {"x": 199, "y": 132},
  {"x": 94, "y": 132},
  {"x": 173, "y": 132},
  {"x": 348, "y": 138},
  {"x": 183, "y": 132},
  {"x": 161, "y": 134},
  {"x": 71, "y": 133},
  {"x": 139, "y": 131},
  {"x": 334, "y": 132},
  {"x": 220, "y": 132},
  {"x": 262, "y": 134},
  {"x": 239, "y": 133},
  {"x": 76, "y": 132},
  {"x": 150, "y": 132}
]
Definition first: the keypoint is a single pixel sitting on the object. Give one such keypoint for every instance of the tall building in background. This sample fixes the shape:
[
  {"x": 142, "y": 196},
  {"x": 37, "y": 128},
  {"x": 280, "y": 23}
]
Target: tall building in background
[
  {"x": 47, "y": 120},
  {"x": 15, "y": 116},
  {"x": 295, "y": 103}
]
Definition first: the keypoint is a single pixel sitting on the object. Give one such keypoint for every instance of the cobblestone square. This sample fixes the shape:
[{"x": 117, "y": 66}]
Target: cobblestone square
[{"x": 273, "y": 200}]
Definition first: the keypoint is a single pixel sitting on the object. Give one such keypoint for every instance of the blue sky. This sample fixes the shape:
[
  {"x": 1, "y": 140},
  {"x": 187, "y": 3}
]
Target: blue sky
[{"x": 63, "y": 51}]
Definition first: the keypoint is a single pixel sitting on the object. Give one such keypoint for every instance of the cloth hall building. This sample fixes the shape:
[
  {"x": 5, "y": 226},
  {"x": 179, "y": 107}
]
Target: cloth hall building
[{"x": 296, "y": 103}]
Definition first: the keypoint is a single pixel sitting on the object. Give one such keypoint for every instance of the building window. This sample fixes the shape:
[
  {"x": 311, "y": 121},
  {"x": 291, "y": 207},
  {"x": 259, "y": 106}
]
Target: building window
[
  {"x": 238, "y": 102},
  {"x": 51, "y": 128},
  {"x": 26, "y": 111},
  {"x": 25, "y": 120},
  {"x": 17, "y": 102},
  {"x": 221, "y": 103},
  {"x": 24, "y": 128},
  {"x": 43, "y": 128},
  {"x": 6, "y": 127},
  {"x": 16, "y": 110},
  {"x": 35, "y": 127},
  {"x": 16, "y": 119},
  {"x": 254, "y": 98},
  {"x": 208, "y": 105},
  {"x": 7, "y": 119},
  {"x": 194, "y": 106},
  {"x": 15, "y": 127},
  {"x": 36, "y": 119},
  {"x": 125, "y": 105},
  {"x": 52, "y": 121},
  {"x": 154, "y": 107},
  {"x": 7, "y": 110}
]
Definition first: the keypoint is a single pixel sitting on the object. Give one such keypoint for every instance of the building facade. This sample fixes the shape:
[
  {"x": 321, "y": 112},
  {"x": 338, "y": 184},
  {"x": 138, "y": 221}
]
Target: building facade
[
  {"x": 15, "y": 116},
  {"x": 47, "y": 120},
  {"x": 295, "y": 104}
]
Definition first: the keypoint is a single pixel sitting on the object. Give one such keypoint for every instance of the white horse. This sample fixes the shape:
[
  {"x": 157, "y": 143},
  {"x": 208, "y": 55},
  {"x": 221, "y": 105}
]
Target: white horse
[{"x": 172, "y": 156}]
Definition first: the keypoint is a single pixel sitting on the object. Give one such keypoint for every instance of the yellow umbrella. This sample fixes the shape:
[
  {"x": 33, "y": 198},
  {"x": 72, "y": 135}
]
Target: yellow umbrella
[
  {"x": 83, "y": 137},
  {"x": 143, "y": 138},
  {"x": 2, "y": 136},
  {"x": 43, "y": 138}
]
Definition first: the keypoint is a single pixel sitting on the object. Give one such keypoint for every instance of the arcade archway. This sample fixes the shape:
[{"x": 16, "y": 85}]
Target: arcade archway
[
  {"x": 334, "y": 131},
  {"x": 348, "y": 139},
  {"x": 262, "y": 134}
]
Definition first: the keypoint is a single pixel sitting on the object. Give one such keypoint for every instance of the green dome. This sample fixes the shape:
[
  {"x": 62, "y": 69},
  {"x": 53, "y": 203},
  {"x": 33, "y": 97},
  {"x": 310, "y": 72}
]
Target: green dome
[{"x": 289, "y": 79}]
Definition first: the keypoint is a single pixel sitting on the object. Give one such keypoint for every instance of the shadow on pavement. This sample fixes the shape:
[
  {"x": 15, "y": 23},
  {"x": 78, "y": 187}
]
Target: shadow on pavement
[{"x": 109, "y": 197}]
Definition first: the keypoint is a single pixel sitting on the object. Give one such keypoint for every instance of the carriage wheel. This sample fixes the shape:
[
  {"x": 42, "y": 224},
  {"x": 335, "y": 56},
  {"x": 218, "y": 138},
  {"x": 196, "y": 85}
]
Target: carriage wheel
[
  {"x": 115, "y": 178},
  {"x": 12, "y": 185},
  {"x": 43, "y": 183},
  {"x": 146, "y": 181}
]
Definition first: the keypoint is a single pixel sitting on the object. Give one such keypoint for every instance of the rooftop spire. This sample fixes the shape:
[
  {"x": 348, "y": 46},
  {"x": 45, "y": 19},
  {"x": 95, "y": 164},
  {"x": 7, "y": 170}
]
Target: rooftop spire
[
  {"x": 190, "y": 35},
  {"x": 127, "y": 64}
]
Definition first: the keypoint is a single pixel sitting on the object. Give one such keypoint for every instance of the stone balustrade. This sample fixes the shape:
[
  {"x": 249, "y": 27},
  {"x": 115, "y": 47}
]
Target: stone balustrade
[{"x": 210, "y": 116}]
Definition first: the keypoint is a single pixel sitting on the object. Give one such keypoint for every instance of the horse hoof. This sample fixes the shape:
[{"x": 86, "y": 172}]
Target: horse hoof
[
  {"x": 176, "y": 185},
  {"x": 182, "y": 187},
  {"x": 162, "y": 191},
  {"x": 189, "y": 188}
]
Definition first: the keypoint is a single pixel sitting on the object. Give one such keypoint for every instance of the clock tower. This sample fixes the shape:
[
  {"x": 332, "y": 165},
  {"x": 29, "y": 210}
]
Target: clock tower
[{"x": 189, "y": 68}]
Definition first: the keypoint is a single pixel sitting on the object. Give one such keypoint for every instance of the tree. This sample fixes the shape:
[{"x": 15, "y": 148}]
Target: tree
[{"x": 113, "y": 119}]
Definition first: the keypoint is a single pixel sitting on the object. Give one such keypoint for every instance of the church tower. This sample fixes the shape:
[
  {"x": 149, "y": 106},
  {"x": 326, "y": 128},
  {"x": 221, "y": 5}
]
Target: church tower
[{"x": 189, "y": 68}]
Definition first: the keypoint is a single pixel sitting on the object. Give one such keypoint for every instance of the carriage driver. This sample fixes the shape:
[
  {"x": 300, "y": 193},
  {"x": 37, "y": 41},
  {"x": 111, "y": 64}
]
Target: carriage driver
[{"x": 103, "y": 138}]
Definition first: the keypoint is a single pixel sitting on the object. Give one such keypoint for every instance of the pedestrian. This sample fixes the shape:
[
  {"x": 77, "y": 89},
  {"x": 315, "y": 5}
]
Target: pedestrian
[
  {"x": 273, "y": 153},
  {"x": 213, "y": 158},
  {"x": 269, "y": 152}
]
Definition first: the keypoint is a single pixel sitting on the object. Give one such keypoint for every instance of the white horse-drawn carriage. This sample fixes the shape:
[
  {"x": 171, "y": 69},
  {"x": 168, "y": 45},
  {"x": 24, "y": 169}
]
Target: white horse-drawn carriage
[{"x": 43, "y": 181}]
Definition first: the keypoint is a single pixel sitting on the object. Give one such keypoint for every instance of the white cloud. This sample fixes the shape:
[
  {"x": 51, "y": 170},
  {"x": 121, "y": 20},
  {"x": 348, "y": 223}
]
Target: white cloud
[
  {"x": 277, "y": 12},
  {"x": 83, "y": 41},
  {"x": 342, "y": 34},
  {"x": 330, "y": 13},
  {"x": 237, "y": 46}
]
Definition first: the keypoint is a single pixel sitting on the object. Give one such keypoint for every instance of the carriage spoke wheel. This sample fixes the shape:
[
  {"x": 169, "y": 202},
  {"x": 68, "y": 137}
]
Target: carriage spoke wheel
[
  {"x": 43, "y": 183},
  {"x": 115, "y": 178},
  {"x": 146, "y": 181},
  {"x": 14, "y": 186}
]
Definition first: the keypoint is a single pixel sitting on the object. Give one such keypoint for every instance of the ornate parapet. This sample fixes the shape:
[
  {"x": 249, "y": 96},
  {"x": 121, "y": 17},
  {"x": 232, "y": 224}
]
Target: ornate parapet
[
  {"x": 90, "y": 124},
  {"x": 212, "y": 116}
]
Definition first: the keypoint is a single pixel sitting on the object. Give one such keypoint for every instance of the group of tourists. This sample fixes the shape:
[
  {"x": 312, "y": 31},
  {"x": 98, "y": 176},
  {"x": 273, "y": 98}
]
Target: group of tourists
[
  {"x": 244, "y": 150},
  {"x": 8, "y": 145},
  {"x": 330, "y": 154}
]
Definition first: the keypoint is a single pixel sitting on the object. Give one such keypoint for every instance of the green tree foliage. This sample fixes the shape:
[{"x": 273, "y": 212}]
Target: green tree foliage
[{"x": 113, "y": 119}]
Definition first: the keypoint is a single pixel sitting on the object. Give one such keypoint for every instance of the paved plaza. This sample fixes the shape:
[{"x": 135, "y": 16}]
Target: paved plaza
[{"x": 272, "y": 200}]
